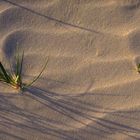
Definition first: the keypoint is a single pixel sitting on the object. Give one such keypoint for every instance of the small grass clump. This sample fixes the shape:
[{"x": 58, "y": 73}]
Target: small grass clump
[{"x": 14, "y": 78}]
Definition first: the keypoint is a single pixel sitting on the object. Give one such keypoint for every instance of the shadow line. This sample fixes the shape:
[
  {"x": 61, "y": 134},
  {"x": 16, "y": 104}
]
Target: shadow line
[
  {"x": 31, "y": 122},
  {"x": 52, "y": 18},
  {"x": 71, "y": 110},
  {"x": 70, "y": 107}
]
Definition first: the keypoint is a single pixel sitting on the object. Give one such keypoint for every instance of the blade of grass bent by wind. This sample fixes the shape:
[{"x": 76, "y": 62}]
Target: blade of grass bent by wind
[{"x": 36, "y": 78}]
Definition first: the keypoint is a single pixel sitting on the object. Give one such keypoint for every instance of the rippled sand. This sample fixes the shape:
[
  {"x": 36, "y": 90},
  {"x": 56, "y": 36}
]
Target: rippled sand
[{"x": 90, "y": 89}]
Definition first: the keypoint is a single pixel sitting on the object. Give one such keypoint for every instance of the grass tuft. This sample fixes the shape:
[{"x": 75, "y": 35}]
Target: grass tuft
[
  {"x": 14, "y": 79},
  {"x": 138, "y": 68}
]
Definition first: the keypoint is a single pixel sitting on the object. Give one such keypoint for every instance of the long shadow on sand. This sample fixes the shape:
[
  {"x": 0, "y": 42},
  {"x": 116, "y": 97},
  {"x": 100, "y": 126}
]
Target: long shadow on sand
[
  {"x": 31, "y": 122},
  {"x": 71, "y": 107}
]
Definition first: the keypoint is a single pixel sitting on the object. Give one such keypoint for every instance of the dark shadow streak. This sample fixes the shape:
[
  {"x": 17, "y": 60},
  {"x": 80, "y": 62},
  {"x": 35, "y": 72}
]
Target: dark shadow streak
[
  {"x": 33, "y": 121},
  {"x": 51, "y": 18},
  {"x": 36, "y": 127},
  {"x": 73, "y": 100},
  {"x": 10, "y": 135},
  {"x": 34, "y": 117},
  {"x": 63, "y": 107},
  {"x": 66, "y": 105}
]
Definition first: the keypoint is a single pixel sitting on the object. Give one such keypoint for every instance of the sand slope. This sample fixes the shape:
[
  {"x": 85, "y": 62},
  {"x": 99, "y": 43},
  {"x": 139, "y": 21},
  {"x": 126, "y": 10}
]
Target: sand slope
[{"x": 90, "y": 89}]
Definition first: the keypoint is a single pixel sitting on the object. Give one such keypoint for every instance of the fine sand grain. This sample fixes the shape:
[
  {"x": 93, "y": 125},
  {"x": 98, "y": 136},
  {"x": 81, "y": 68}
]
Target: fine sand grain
[{"x": 90, "y": 89}]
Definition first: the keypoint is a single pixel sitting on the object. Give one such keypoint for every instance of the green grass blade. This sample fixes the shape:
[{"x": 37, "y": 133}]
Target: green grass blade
[
  {"x": 138, "y": 68},
  {"x": 36, "y": 78},
  {"x": 7, "y": 78},
  {"x": 19, "y": 63},
  {"x": 2, "y": 76},
  {"x": 3, "y": 80}
]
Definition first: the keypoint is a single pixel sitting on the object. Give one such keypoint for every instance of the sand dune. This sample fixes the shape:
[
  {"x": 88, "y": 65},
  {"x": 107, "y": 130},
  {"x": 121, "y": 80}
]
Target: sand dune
[{"x": 90, "y": 89}]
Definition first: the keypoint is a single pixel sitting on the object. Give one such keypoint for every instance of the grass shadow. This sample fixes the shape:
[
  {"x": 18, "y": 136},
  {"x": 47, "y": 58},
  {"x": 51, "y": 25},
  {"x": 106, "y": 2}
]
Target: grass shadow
[{"x": 73, "y": 108}]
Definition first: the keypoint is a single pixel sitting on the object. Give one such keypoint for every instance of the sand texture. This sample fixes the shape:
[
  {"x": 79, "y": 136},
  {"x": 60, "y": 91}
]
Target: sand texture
[{"x": 90, "y": 89}]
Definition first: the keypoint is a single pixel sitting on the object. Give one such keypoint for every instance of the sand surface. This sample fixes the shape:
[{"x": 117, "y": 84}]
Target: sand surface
[{"x": 90, "y": 89}]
